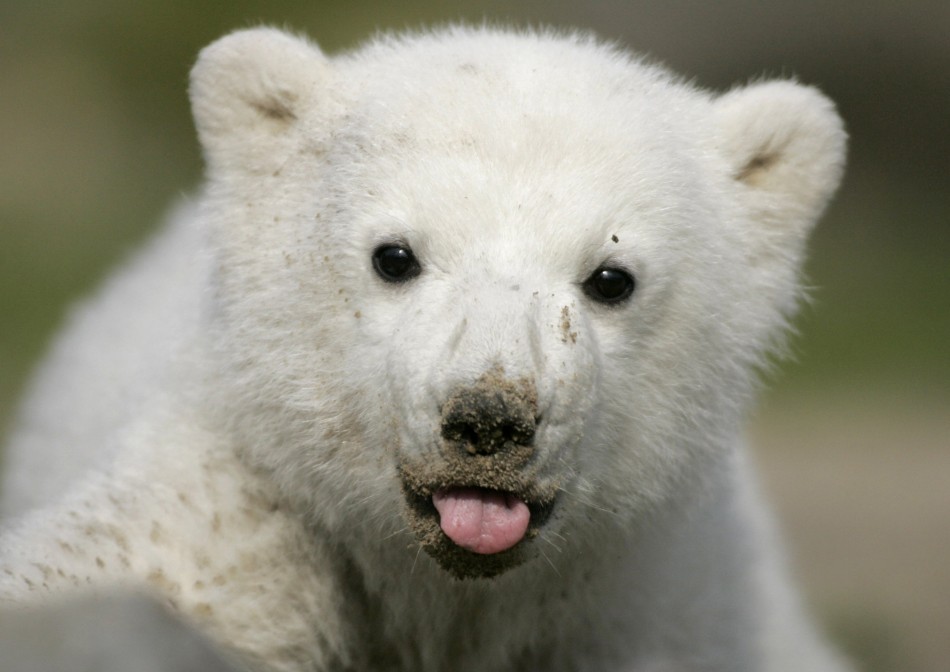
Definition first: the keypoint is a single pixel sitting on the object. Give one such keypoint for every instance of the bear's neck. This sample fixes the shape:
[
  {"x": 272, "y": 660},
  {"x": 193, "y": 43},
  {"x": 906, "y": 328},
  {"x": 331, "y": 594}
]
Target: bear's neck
[{"x": 552, "y": 612}]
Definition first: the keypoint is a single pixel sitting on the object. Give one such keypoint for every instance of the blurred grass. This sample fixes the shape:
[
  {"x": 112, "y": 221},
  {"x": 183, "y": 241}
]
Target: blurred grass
[{"x": 97, "y": 140}]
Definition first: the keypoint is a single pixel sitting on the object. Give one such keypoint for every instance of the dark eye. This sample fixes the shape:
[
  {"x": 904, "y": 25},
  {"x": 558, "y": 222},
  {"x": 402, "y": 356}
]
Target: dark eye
[
  {"x": 395, "y": 263},
  {"x": 609, "y": 285}
]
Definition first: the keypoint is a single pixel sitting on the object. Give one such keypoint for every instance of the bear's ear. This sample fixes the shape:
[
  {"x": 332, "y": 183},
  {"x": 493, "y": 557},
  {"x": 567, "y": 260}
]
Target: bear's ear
[
  {"x": 784, "y": 144},
  {"x": 249, "y": 90}
]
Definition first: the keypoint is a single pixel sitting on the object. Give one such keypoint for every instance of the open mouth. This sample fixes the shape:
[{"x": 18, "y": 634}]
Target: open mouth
[{"x": 474, "y": 531}]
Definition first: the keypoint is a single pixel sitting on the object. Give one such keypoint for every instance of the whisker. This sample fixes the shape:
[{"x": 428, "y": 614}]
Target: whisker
[
  {"x": 545, "y": 556},
  {"x": 396, "y": 533},
  {"x": 552, "y": 544},
  {"x": 579, "y": 498},
  {"x": 414, "y": 561}
]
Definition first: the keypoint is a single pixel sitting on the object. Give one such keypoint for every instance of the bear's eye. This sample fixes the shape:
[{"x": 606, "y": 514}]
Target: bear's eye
[
  {"x": 395, "y": 263},
  {"x": 609, "y": 285}
]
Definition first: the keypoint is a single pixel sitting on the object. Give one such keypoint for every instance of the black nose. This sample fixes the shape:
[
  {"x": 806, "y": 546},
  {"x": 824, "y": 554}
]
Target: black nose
[{"x": 493, "y": 413}]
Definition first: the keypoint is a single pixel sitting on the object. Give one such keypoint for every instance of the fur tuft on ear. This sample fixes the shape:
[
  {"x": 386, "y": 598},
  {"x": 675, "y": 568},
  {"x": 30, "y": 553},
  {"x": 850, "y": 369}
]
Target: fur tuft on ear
[
  {"x": 785, "y": 144},
  {"x": 248, "y": 90}
]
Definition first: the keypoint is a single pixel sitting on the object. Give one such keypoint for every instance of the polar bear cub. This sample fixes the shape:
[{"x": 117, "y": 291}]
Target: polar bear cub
[{"x": 445, "y": 367}]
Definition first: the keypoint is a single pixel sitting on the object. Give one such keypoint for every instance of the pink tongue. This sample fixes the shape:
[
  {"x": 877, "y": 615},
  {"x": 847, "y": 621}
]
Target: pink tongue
[{"x": 482, "y": 521}]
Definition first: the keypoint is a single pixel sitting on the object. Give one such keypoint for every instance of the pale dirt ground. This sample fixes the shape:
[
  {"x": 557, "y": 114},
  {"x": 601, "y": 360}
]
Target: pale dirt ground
[{"x": 861, "y": 483}]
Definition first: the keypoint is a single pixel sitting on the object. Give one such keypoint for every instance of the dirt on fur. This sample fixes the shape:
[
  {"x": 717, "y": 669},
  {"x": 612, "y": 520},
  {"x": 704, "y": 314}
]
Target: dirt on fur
[{"x": 487, "y": 442}]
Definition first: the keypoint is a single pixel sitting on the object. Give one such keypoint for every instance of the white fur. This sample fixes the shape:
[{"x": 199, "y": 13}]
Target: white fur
[{"x": 224, "y": 421}]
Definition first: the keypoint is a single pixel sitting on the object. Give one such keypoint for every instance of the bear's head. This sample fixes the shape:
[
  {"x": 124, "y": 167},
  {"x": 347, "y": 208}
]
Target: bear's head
[{"x": 479, "y": 287}]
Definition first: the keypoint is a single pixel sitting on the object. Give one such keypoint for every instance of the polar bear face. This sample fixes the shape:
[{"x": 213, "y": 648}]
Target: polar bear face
[{"x": 483, "y": 286}]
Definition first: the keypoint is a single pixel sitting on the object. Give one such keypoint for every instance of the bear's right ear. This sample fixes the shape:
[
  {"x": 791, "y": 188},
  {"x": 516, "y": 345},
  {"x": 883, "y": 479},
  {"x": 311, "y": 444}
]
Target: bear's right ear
[
  {"x": 784, "y": 149},
  {"x": 784, "y": 143},
  {"x": 248, "y": 91}
]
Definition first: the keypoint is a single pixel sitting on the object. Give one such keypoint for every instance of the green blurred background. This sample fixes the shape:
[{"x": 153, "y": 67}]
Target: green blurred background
[{"x": 854, "y": 436}]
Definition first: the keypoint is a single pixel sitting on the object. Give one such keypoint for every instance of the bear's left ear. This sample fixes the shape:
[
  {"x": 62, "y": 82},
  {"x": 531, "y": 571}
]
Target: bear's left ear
[
  {"x": 249, "y": 90},
  {"x": 784, "y": 144}
]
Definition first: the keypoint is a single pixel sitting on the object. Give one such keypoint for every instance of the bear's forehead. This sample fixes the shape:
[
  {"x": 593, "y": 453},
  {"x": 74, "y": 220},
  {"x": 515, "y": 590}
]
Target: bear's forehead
[
  {"x": 540, "y": 134},
  {"x": 522, "y": 143},
  {"x": 538, "y": 94}
]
